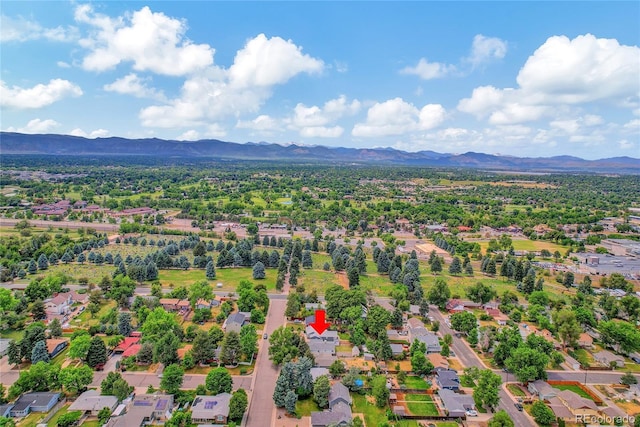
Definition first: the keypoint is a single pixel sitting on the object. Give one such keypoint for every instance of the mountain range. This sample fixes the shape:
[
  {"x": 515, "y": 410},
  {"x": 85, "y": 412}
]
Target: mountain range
[{"x": 67, "y": 145}]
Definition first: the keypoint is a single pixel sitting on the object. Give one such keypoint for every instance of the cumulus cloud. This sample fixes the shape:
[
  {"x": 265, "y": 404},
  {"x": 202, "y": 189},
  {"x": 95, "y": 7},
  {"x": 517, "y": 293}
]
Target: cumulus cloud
[
  {"x": 243, "y": 88},
  {"x": 396, "y": 117},
  {"x": 131, "y": 84},
  {"x": 313, "y": 121},
  {"x": 486, "y": 49},
  {"x": 190, "y": 135},
  {"x": 429, "y": 70},
  {"x": 561, "y": 73},
  {"x": 98, "y": 133},
  {"x": 38, "y": 96},
  {"x": 321, "y": 132},
  {"x": 151, "y": 41},
  {"x": 262, "y": 123},
  {"x": 36, "y": 126},
  {"x": 265, "y": 62},
  {"x": 19, "y": 29}
]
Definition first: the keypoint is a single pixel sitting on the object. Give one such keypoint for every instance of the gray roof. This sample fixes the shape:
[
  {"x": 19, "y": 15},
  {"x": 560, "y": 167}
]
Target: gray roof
[
  {"x": 91, "y": 400},
  {"x": 543, "y": 388},
  {"x": 431, "y": 341},
  {"x": 448, "y": 378},
  {"x": 324, "y": 360},
  {"x": 4, "y": 344},
  {"x": 4, "y": 409},
  {"x": 454, "y": 402},
  {"x": 237, "y": 318},
  {"x": 316, "y": 346},
  {"x": 208, "y": 407},
  {"x": 339, "y": 391},
  {"x": 34, "y": 399},
  {"x": 318, "y": 372},
  {"x": 396, "y": 348},
  {"x": 606, "y": 356}
]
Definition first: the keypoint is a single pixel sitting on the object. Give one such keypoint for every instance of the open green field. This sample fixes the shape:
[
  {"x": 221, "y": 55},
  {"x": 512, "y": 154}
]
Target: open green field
[
  {"x": 318, "y": 280},
  {"x": 421, "y": 404},
  {"x": 85, "y": 319},
  {"x": 528, "y": 245},
  {"x": 229, "y": 277}
]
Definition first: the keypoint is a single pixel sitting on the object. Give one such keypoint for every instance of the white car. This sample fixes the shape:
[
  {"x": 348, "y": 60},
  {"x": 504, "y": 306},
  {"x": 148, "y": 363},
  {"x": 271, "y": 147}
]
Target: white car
[{"x": 472, "y": 413}]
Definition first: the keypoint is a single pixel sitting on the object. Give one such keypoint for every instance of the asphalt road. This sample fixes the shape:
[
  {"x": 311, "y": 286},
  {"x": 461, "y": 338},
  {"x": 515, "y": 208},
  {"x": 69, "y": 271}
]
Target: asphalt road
[{"x": 261, "y": 407}]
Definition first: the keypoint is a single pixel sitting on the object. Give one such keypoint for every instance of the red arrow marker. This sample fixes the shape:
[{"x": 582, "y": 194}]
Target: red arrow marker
[{"x": 319, "y": 324}]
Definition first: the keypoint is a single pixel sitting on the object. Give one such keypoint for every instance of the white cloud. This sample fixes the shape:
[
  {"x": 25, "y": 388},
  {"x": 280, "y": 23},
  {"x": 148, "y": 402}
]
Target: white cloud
[
  {"x": 562, "y": 73},
  {"x": 429, "y": 70},
  {"x": 98, "y": 133},
  {"x": 38, "y": 96},
  {"x": 632, "y": 126},
  {"x": 20, "y": 30},
  {"x": 190, "y": 135},
  {"x": 486, "y": 49},
  {"x": 215, "y": 131},
  {"x": 267, "y": 62},
  {"x": 219, "y": 93},
  {"x": 321, "y": 132},
  {"x": 131, "y": 84},
  {"x": 36, "y": 126},
  {"x": 397, "y": 117},
  {"x": 63, "y": 64},
  {"x": 263, "y": 124},
  {"x": 152, "y": 41}
]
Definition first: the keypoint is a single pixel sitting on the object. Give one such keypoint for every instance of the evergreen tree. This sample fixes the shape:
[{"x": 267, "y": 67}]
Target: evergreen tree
[
  {"x": 321, "y": 389},
  {"x": 383, "y": 263},
  {"x": 258, "y": 271},
  {"x": 55, "y": 328},
  {"x": 66, "y": 257},
  {"x": 307, "y": 261},
  {"x": 97, "y": 354},
  {"x": 13, "y": 353},
  {"x": 231, "y": 349},
  {"x": 354, "y": 278},
  {"x": 124, "y": 324},
  {"x": 210, "y": 271},
  {"x": 43, "y": 262},
  {"x": 468, "y": 269},
  {"x": 32, "y": 268},
  {"x": 290, "y": 401},
  {"x": 455, "y": 267},
  {"x": 39, "y": 353},
  {"x": 280, "y": 391},
  {"x": 436, "y": 265}
]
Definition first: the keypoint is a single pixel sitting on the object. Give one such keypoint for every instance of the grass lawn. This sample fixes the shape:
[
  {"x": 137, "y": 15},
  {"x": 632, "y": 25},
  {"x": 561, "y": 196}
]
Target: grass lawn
[
  {"x": 10, "y": 333},
  {"x": 583, "y": 356},
  {"x": 415, "y": 383},
  {"x": 374, "y": 416},
  {"x": 53, "y": 422},
  {"x": 574, "y": 388},
  {"x": 528, "y": 245},
  {"x": 92, "y": 423},
  {"x": 380, "y": 285},
  {"x": 85, "y": 319},
  {"x": 61, "y": 357},
  {"x": 305, "y": 407},
  {"x": 229, "y": 277},
  {"x": 515, "y": 390},
  {"x": 318, "y": 280},
  {"x": 421, "y": 404},
  {"x": 31, "y": 420}
]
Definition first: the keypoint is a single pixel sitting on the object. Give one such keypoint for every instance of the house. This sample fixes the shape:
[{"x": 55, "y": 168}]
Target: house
[
  {"x": 607, "y": 358},
  {"x": 438, "y": 361},
  {"x": 5, "y": 410},
  {"x": 125, "y": 344},
  {"x": 318, "y": 347},
  {"x": 133, "y": 350},
  {"x": 447, "y": 379},
  {"x": 578, "y": 405},
  {"x": 184, "y": 305},
  {"x": 585, "y": 341},
  {"x": 91, "y": 402},
  {"x": 326, "y": 336},
  {"x": 202, "y": 304},
  {"x": 560, "y": 410},
  {"x": 497, "y": 315},
  {"x": 318, "y": 372},
  {"x": 324, "y": 360},
  {"x": 234, "y": 322},
  {"x": 394, "y": 335},
  {"x": 339, "y": 413},
  {"x": 457, "y": 305},
  {"x": 79, "y": 298},
  {"x": 60, "y": 304},
  {"x": 431, "y": 342},
  {"x": 211, "y": 409},
  {"x": 169, "y": 304},
  {"x": 397, "y": 349},
  {"x": 4, "y": 346},
  {"x": 414, "y": 310},
  {"x": 56, "y": 345},
  {"x": 144, "y": 409},
  {"x": 355, "y": 351},
  {"x": 454, "y": 404},
  {"x": 542, "y": 389},
  {"x": 34, "y": 402}
]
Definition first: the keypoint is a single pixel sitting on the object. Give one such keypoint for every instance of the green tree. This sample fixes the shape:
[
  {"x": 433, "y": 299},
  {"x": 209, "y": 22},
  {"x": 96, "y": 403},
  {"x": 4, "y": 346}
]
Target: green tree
[
  {"x": 121, "y": 389},
  {"x": 40, "y": 353},
  {"x": 75, "y": 379},
  {"x": 166, "y": 349},
  {"x": 219, "y": 381},
  {"x": 321, "y": 389},
  {"x": 172, "y": 378},
  {"x": 238, "y": 405},
  {"x": 248, "y": 340},
  {"x": 567, "y": 325},
  {"x": 379, "y": 390},
  {"x": 455, "y": 267},
  {"x": 487, "y": 391},
  {"x": 124, "y": 323},
  {"x": 628, "y": 379},
  {"x": 436, "y": 265},
  {"x": 542, "y": 414},
  {"x": 69, "y": 419},
  {"x": 420, "y": 365},
  {"x": 104, "y": 415},
  {"x": 204, "y": 348},
  {"x": 290, "y": 401},
  {"x": 280, "y": 391},
  {"x": 55, "y": 328},
  {"x": 480, "y": 293},
  {"x": 97, "y": 354},
  {"x": 527, "y": 364},
  {"x": 200, "y": 290},
  {"x": 463, "y": 321},
  {"x": 231, "y": 348},
  {"x": 259, "y": 271},
  {"x": 439, "y": 294},
  {"x": 501, "y": 419},
  {"x": 13, "y": 353}
]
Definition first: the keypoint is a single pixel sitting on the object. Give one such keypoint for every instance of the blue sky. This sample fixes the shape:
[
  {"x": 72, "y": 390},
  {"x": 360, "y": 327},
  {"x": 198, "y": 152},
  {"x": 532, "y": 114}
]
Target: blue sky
[{"x": 514, "y": 78}]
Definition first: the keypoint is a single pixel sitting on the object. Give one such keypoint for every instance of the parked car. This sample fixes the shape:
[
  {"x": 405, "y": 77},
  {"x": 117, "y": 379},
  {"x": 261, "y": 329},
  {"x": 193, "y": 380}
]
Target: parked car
[
  {"x": 519, "y": 407},
  {"x": 472, "y": 413},
  {"x": 265, "y": 336}
]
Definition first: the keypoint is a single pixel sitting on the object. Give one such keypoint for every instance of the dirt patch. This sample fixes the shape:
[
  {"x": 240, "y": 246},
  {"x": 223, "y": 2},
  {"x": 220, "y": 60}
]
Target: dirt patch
[
  {"x": 343, "y": 280},
  {"x": 428, "y": 247}
]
